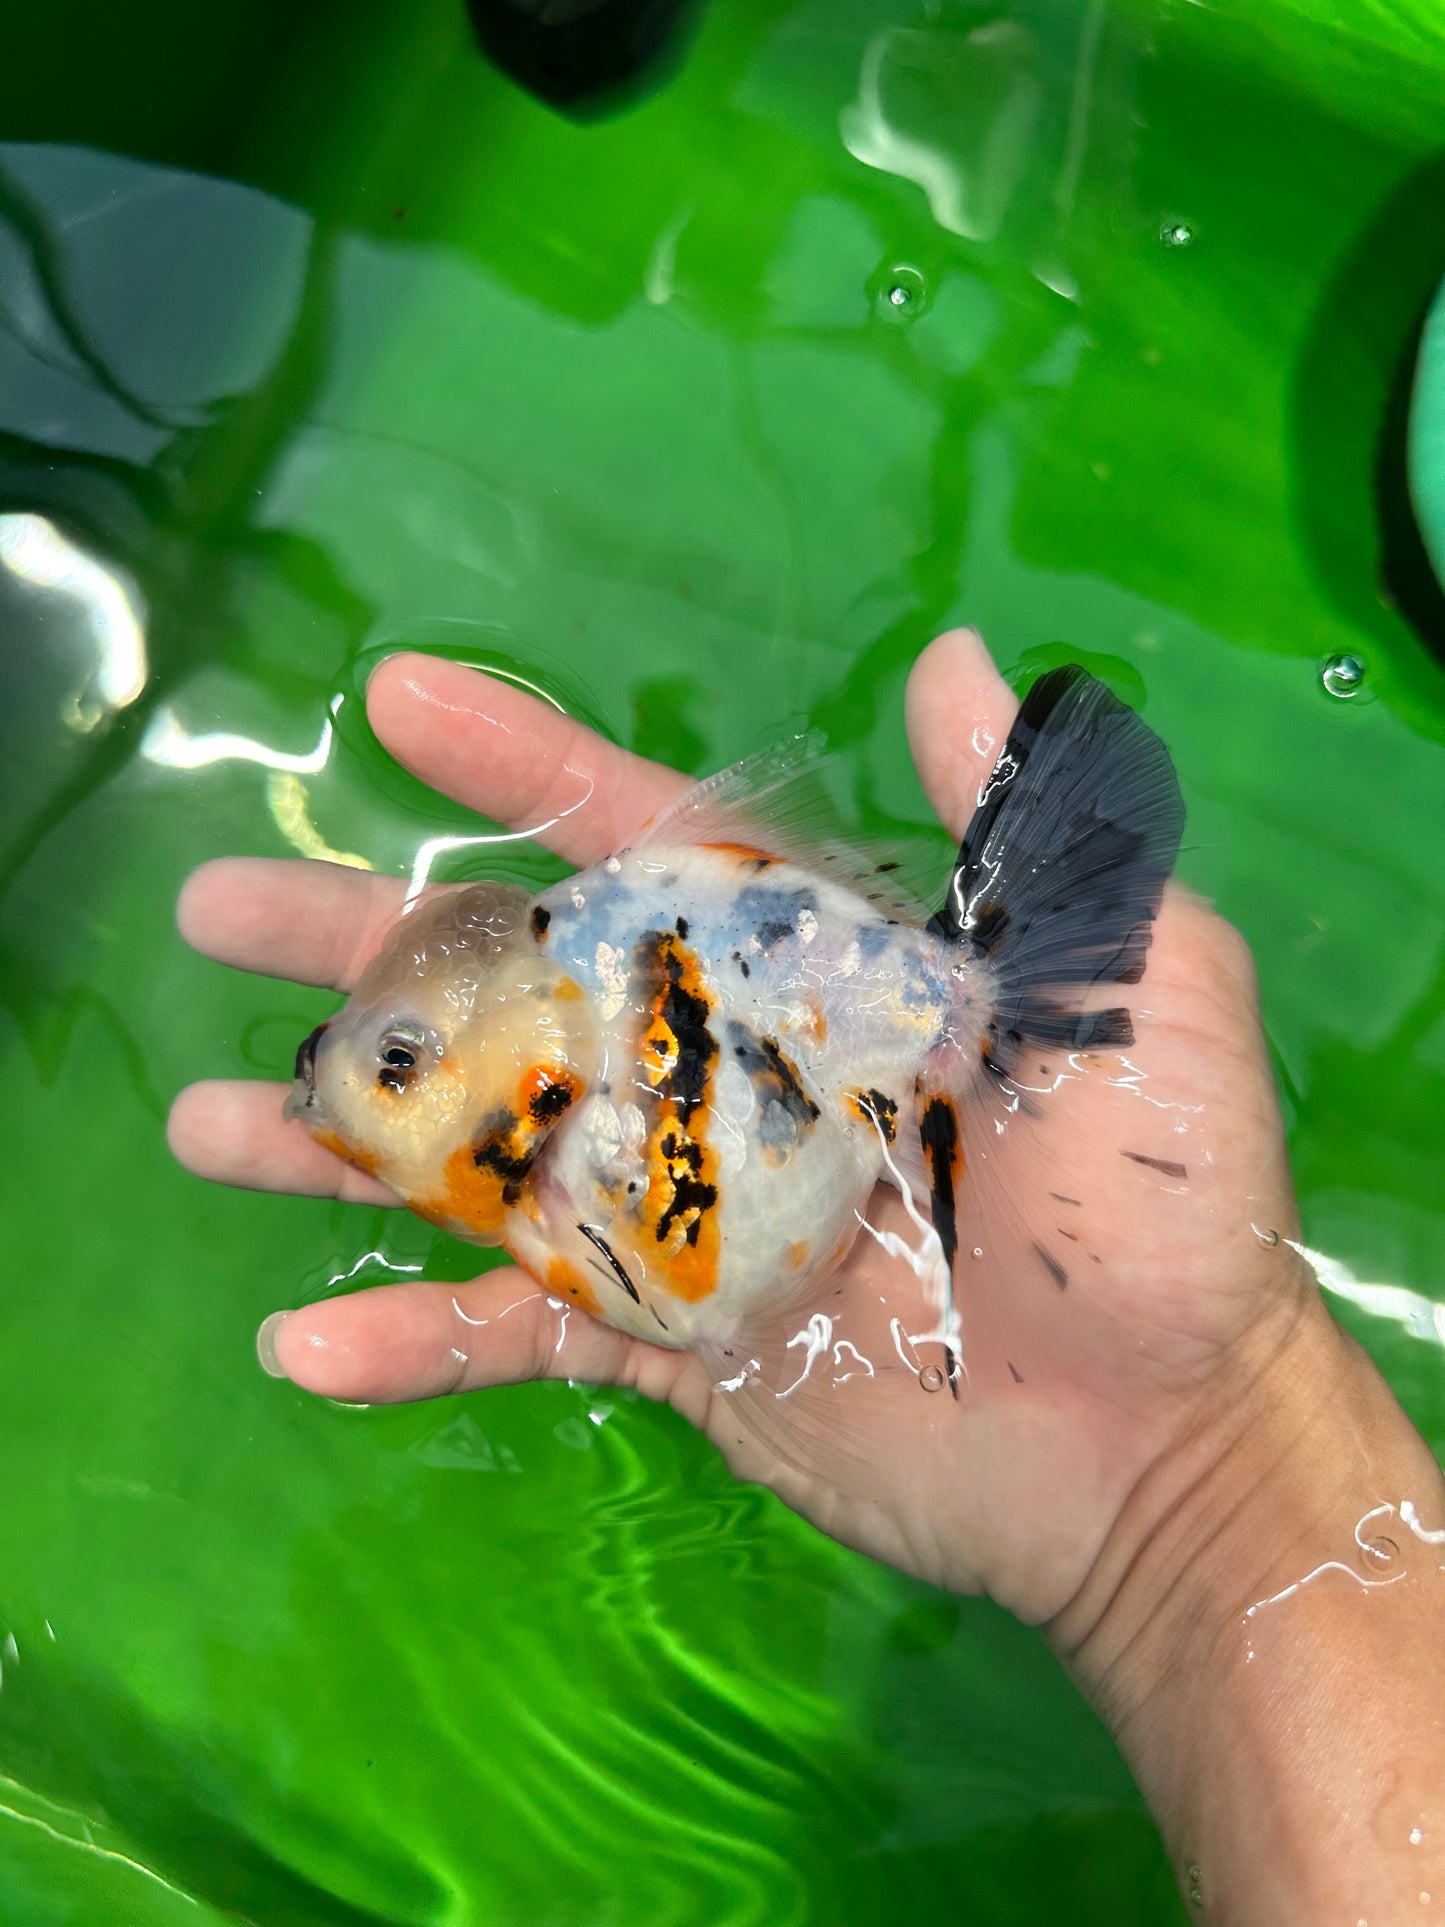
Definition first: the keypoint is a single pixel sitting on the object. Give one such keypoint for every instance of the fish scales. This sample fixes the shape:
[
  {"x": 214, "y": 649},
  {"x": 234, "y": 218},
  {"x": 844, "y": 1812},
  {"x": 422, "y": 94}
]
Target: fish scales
[{"x": 723, "y": 1141}]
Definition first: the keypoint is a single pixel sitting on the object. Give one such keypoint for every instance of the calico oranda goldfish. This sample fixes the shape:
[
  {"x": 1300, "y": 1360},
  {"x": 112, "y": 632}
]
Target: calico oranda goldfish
[{"x": 669, "y": 1083}]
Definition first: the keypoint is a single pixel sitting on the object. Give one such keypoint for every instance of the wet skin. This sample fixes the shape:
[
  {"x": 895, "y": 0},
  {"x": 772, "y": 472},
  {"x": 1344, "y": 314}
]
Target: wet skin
[{"x": 1200, "y": 1430}]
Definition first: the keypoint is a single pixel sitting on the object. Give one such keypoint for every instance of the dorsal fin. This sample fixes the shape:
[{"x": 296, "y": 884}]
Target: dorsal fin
[{"x": 782, "y": 802}]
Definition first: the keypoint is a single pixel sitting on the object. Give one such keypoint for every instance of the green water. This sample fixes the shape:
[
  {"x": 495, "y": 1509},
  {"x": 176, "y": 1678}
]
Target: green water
[{"x": 328, "y": 339}]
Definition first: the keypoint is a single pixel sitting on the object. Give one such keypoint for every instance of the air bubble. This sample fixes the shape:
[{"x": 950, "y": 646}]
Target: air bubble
[
  {"x": 900, "y": 293},
  {"x": 1266, "y": 1235},
  {"x": 933, "y": 1378},
  {"x": 1343, "y": 676},
  {"x": 1176, "y": 234}
]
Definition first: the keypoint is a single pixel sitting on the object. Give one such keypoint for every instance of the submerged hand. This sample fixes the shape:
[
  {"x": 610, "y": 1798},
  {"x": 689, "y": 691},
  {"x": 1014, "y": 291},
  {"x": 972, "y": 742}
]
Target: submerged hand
[
  {"x": 1152, "y": 1433},
  {"x": 1153, "y": 1175}
]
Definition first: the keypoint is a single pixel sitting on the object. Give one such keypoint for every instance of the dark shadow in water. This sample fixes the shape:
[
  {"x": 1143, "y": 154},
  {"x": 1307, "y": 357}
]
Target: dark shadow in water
[
  {"x": 27, "y": 221},
  {"x": 1351, "y": 413},
  {"x": 590, "y": 57},
  {"x": 1406, "y": 571},
  {"x": 181, "y": 527}
]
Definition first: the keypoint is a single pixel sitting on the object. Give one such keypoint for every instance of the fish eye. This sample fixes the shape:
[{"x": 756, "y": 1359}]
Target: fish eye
[{"x": 399, "y": 1054}]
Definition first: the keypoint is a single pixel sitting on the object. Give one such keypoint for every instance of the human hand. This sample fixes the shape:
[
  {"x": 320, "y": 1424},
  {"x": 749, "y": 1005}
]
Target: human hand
[{"x": 1183, "y": 1287}]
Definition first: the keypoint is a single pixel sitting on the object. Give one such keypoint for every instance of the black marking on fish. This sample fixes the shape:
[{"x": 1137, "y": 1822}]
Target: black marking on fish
[
  {"x": 1053, "y": 1267},
  {"x": 492, "y": 1152},
  {"x": 991, "y": 1063},
  {"x": 774, "y": 913},
  {"x": 690, "y": 1193},
  {"x": 306, "y": 1057},
  {"x": 1167, "y": 1165},
  {"x": 614, "y": 1263},
  {"x": 1014, "y": 1372},
  {"x": 685, "y": 1013},
  {"x": 773, "y": 1076},
  {"x": 881, "y": 1110},
  {"x": 550, "y": 1102},
  {"x": 884, "y": 868},
  {"x": 954, "y": 1370},
  {"x": 541, "y": 917},
  {"x": 988, "y": 923},
  {"x": 938, "y": 1129},
  {"x": 657, "y": 1314},
  {"x": 1107, "y": 1029},
  {"x": 742, "y": 963},
  {"x": 1059, "y": 1198},
  {"x": 681, "y": 926},
  {"x": 1072, "y": 1236}
]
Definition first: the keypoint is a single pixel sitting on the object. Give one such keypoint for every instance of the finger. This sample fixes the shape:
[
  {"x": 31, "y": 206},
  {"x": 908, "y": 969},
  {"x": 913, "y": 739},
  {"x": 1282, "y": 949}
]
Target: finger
[
  {"x": 317, "y": 923},
  {"x": 959, "y": 711},
  {"x": 234, "y": 1133},
  {"x": 513, "y": 757},
  {"x": 397, "y": 1342}
]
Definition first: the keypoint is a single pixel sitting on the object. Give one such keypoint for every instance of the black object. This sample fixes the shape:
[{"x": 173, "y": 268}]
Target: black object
[{"x": 580, "y": 56}]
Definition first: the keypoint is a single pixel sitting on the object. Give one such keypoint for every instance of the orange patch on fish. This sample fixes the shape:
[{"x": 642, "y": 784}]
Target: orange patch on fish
[
  {"x": 567, "y": 990},
  {"x": 368, "y": 1161},
  {"x": 678, "y": 1233},
  {"x": 744, "y": 852},
  {"x": 798, "y": 1255},
  {"x": 566, "y": 1281},
  {"x": 471, "y": 1194}
]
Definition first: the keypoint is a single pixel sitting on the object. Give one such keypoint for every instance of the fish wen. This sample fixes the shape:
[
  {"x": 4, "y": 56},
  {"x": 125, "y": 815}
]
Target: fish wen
[{"x": 670, "y": 1084}]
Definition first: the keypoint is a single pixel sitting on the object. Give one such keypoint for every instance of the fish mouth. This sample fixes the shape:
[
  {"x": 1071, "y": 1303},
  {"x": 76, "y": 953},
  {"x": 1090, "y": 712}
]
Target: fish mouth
[{"x": 304, "y": 1072}]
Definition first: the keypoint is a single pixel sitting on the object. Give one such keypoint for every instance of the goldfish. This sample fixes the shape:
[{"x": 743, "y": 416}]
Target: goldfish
[{"x": 668, "y": 1084}]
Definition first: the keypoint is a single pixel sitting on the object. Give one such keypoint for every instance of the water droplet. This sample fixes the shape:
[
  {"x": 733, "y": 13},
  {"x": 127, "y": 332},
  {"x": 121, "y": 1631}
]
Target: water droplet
[
  {"x": 1343, "y": 676},
  {"x": 1267, "y": 1236},
  {"x": 1417, "y": 1834},
  {"x": 1176, "y": 234},
  {"x": 932, "y": 1378},
  {"x": 978, "y": 1251},
  {"x": 1196, "y": 1892},
  {"x": 900, "y": 292}
]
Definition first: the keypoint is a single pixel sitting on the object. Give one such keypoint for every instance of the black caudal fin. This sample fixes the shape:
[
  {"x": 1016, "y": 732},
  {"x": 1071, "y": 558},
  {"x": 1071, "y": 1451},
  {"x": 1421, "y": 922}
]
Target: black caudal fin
[{"x": 1061, "y": 870}]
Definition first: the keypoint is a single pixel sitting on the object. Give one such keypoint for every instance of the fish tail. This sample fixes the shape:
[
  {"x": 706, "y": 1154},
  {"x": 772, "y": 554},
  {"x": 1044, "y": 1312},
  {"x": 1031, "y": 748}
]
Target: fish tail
[{"x": 1062, "y": 868}]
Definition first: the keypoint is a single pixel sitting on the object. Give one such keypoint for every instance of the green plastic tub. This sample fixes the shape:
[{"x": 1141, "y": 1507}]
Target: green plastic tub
[{"x": 319, "y": 337}]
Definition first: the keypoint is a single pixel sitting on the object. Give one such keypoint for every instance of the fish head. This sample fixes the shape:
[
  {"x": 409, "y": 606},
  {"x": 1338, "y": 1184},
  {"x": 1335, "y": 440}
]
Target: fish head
[{"x": 460, "y": 1050}]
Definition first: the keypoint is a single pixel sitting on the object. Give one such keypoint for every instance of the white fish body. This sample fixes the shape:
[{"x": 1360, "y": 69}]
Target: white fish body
[{"x": 669, "y": 1083}]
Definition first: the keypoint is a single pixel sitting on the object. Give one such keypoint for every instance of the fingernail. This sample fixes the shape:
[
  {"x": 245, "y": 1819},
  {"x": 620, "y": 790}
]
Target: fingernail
[{"x": 266, "y": 1343}]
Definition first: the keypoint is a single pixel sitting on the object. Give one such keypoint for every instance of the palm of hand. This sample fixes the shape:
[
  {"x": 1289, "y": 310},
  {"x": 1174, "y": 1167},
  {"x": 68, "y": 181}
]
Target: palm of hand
[{"x": 1073, "y": 1390}]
